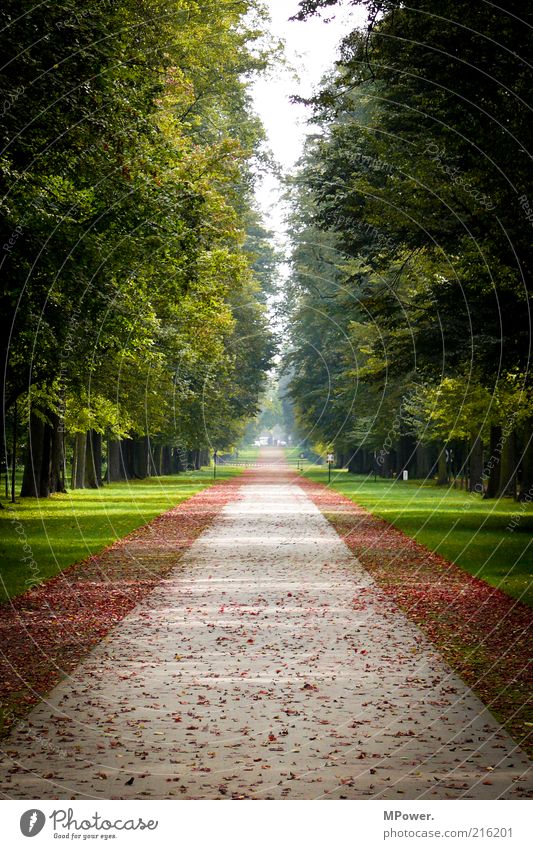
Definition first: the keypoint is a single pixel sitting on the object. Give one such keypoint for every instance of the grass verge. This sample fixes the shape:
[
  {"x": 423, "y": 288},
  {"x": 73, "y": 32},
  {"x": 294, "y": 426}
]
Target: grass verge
[
  {"x": 41, "y": 537},
  {"x": 491, "y": 540}
]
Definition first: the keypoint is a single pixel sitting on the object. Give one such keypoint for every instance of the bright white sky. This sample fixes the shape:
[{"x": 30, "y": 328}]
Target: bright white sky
[{"x": 310, "y": 49}]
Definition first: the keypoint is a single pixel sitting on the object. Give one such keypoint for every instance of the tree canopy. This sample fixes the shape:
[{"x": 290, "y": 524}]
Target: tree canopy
[
  {"x": 135, "y": 263},
  {"x": 412, "y": 245}
]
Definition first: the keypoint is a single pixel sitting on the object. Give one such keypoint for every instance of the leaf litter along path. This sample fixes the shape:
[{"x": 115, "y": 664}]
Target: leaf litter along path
[{"x": 266, "y": 665}]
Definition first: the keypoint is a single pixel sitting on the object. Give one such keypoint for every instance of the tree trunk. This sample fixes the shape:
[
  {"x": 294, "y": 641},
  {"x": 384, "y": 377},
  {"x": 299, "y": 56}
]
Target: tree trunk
[
  {"x": 57, "y": 461},
  {"x": 179, "y": 460},
  {"x": 115, "y": 466},
  {"x": 166, "y": 460},
  {"x": 158, "y": 460},
  {"x": 384, "y": 466},
  {"x": 193, "y": 459},
  {"x": 44, "y": 487},
  {"x": 493, "y": 466},
  {"x": 93, "y": 462},
  {"x": 3, "y": 451},
  {"x": 127, "y": 458},
  {"x": 423, "y": 461},
  {"x": 475, "y": 477},
  {"x": 79, "y": 460},
  {"x": 354, "y": 462},
  {"x": 14, "y": 452},
  {"x": 526, "y": 479},
  {"x": 141, "y": 456},
  {"x": 31, "y": 480},
  {"x": 507, "y": 487},
  {"x": 406, "y": 455},
  {"x": 442, "y": 468}
]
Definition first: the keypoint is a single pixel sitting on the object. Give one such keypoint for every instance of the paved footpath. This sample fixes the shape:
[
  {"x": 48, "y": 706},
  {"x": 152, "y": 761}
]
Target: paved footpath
[{"x": 267, "y": 665}]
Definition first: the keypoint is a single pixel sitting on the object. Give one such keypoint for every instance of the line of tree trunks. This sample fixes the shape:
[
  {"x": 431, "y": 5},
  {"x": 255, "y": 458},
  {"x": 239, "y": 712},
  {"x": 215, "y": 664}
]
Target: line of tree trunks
[
  {"x": 492, "y": 468},
  {"x": 166, "y": 460},
  {"x": 32, "y": 478},
  {"x": 79, "y": 457},
  {"x": 508, "y": 472},
  {"x": 44, "y": 464},
  {"x": 193, "y": 459},
  {"x": 475, "y": 476},
  {"x": 115, "y": 466},
  {"x": 179, "y": 460},
  {"x": 93, "y": 460},
  {"x": 526, "y": 478},
  {"x": 57, "y": 455},
  {"x": 423, "y": 460},
  {"x": 442, "y": 467}
]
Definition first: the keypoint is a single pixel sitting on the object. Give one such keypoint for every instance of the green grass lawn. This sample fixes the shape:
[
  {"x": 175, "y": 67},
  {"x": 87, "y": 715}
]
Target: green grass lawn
[
  {"x": 63, "y": 529},
  {"x": 247, "y": 454},
  {"x": 463, "y": 528}
]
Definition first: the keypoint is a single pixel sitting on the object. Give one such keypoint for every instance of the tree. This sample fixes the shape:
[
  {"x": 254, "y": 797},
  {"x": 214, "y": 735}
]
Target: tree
[
  {"x": 412, "y": 175},
  {"x": 127, "y": 182}
]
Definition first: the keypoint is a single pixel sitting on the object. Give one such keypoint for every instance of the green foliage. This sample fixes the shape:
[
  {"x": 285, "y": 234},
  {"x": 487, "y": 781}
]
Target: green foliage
[
  {"x": 409, "y": 312},
  {"x": 138, "y": 260}
]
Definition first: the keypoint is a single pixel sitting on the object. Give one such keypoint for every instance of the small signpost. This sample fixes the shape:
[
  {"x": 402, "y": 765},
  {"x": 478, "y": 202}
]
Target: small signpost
[
  {"x": 331, "y": 460},
  {"x": 214, "y": 465}
]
